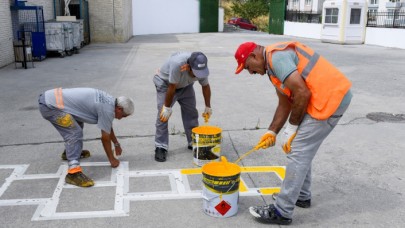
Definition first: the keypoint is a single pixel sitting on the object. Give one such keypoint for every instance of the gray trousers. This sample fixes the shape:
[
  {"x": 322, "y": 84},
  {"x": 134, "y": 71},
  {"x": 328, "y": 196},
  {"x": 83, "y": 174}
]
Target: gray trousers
[
  {"x": 297, "y": 181},
  {"x": 70, "y": 129},
  {"x": 189, "y": 114}
]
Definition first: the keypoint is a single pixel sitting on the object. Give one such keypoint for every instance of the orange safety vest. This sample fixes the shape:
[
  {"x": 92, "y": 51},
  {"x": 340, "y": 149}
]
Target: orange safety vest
[{"x": 327, "y": 84}]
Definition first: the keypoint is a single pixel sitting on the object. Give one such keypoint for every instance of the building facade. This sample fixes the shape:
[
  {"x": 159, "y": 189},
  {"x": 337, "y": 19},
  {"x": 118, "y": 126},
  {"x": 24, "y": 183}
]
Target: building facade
[{"x": 315, "y": 6}]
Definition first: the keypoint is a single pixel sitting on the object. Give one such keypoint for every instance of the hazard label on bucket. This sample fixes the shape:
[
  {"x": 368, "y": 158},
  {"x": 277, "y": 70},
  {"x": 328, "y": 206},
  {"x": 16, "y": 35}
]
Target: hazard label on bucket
[{"x": 223, "y": 207}]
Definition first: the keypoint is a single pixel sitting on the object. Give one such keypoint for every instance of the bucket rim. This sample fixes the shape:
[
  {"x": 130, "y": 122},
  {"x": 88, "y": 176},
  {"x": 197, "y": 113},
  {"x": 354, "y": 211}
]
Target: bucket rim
[{"x": 221, "y": 168}]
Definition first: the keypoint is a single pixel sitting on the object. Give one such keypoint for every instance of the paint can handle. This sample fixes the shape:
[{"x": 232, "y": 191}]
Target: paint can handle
[{"x": 209, "y": 199}]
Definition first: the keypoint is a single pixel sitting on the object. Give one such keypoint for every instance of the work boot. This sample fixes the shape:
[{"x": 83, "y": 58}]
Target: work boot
[
  {"x": 84, "y": 154},
  {"x": 160, "y": 154},
  {"x": 79, "y": 179},
  {"x": 269, "y": 214},
  {"x": 299, "y": 203}
]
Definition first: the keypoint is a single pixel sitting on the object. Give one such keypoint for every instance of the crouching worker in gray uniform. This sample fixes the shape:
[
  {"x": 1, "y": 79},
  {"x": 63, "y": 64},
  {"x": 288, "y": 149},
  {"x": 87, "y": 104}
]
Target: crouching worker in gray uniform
[
  {"x": 174, "y": 82},
  {"x": 68, "y": 109}
]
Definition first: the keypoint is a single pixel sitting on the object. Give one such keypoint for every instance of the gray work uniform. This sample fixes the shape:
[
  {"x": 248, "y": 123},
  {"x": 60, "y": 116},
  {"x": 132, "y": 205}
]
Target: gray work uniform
[
  {"x": 174, "y": 71},
  {"x": 68, "y": 109},
  {"x": 310, "y": 135}
]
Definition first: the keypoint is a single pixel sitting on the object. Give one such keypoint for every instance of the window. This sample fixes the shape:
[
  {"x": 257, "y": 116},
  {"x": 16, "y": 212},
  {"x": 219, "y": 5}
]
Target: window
[
  {"x": 355, "y": 16},
  {"x": 373, "y": 2},
  {"x": 372, "y": 11},
  {"x": 295, "y": 2},
  {"x": 390, "y": 14},
  {"x": 331, "y": 15},
  {"x": 308, "y": 2},
  {"x": 372, "y": 14}
]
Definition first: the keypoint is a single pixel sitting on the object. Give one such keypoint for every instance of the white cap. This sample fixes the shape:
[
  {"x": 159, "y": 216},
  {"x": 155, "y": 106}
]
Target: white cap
[{"x": 127, "y": 104}]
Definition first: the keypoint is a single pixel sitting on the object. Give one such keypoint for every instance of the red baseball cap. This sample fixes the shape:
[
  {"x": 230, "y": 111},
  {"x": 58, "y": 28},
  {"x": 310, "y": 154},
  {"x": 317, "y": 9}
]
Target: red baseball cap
[{"x": 242, "y": 54}]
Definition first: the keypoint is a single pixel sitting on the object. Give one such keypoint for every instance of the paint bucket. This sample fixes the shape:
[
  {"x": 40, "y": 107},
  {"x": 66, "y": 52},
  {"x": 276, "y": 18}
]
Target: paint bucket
[
  {"x": 206, "y": 142},
  {"x": 220, "y": 188}
]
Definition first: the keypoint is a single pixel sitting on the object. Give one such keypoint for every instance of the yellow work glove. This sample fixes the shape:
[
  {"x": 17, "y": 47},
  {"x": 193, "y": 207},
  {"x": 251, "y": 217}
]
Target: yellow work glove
[
  {"x": 288, "y": 136},
  {"x": 267, "y": 140},
  {"x": 207, "y": 114},
  {"x": 165, "y": 113}
]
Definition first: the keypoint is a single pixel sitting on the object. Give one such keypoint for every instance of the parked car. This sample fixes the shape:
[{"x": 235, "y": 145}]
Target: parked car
[{"x": 242, "y": 23}]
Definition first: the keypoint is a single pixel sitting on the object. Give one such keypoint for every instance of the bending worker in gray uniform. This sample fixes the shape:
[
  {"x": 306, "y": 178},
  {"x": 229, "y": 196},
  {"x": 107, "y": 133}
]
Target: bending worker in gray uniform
[
  {"x": 68, "y": 109},
  {"x": 174, "y": 82}
]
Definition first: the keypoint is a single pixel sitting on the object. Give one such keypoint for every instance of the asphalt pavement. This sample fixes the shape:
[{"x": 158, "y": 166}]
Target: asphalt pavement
[{"x": 358, "y": 172}]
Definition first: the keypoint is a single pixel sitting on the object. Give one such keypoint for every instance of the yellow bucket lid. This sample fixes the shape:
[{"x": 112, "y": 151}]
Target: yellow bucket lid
[
  {"x": 222, "y": 168},
  {"x": 207, "y": 130}
]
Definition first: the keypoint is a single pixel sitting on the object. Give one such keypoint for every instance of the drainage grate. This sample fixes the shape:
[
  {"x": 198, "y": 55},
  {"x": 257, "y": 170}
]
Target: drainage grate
[{"x": 386, "y": 117}]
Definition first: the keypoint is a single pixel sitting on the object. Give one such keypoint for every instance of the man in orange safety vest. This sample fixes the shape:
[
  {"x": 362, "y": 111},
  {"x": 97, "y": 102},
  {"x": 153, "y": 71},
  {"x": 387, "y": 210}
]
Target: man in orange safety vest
[{"x": 313, "y": 95}]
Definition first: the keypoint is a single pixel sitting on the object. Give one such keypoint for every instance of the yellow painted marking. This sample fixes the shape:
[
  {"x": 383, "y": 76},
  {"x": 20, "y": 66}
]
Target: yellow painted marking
[
  {"x": 269, "y": 191},
  {"x": 280, "y": 170},
  {"x": 242, "y": 186},
  {"x": 191, "y": 171}
]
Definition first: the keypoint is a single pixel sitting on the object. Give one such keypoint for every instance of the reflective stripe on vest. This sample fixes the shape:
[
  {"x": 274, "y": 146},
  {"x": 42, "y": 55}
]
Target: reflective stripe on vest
[{"x": 327, "y": 84}]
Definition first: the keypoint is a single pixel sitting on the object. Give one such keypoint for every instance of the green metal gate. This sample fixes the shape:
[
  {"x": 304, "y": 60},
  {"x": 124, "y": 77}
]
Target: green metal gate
[
  {"x": 209, "y": 15},
  {"x": 277, "y": 15}
]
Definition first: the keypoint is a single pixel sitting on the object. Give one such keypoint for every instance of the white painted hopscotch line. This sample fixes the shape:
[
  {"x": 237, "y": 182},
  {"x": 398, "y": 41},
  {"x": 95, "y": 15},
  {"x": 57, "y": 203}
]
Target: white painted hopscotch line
[{"x": 120, "y": 176}]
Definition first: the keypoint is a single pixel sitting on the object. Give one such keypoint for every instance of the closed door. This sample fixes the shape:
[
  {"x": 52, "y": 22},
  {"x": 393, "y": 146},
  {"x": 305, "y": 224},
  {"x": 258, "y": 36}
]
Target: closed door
[{"x": 276, "y": 17}]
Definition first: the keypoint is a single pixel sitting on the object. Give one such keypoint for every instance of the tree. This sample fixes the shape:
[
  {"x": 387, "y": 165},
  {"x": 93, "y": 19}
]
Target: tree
[{"x": 250, "y": 9}]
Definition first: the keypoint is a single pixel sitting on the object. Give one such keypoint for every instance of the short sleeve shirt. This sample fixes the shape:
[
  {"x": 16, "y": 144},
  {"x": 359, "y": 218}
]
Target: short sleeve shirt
[
  {"x": 87, "y": 105},
  {"x": 173, "y": 71},
  {"x": 284, "y": 63}
]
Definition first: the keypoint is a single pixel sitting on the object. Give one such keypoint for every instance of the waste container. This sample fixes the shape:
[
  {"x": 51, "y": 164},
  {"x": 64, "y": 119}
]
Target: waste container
[
  {"x": 78, "y": 38},
  {"x": 68, "y": 31},
  {"x": 55, "y": 37}
]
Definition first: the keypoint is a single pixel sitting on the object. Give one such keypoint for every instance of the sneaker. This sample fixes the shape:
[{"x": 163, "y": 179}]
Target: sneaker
[
  {"x": 160, "y": 154},
  {"x": 269, "y": 214},
  {"x": 299, "y": 203},
  {"x": 190, "y": 147},
  {"x": 84, "y": 154},
  {"x": 79, "y": 179}
]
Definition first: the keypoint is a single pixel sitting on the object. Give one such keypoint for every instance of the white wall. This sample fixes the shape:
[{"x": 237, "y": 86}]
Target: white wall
[
  {"x": 307, "y": 30},
  {"x": 387, "y": 37},
  {"x": 6, "y": 34},
  {"x": 221, "y": 14},
  {"x": 110, "y": 20},
  {"x": 165, "y": 16},
  {"x": 47, "y": 7}
]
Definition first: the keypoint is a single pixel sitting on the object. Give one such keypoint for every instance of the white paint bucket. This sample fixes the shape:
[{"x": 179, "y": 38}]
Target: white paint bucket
[{"x": 220, "y": 188}]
